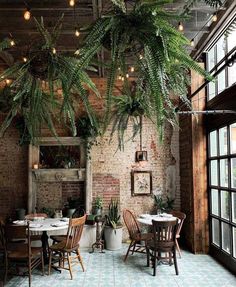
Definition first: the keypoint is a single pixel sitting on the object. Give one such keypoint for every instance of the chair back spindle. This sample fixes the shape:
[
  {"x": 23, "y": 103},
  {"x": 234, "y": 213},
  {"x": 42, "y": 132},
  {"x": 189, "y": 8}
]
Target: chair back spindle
[
  {"x": 74, "y": 232},
  {"x": 131, "y": 223}
]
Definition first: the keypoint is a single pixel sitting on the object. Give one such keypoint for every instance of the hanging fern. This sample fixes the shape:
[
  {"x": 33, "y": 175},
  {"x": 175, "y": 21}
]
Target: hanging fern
[{"x": 33, "y": 89}]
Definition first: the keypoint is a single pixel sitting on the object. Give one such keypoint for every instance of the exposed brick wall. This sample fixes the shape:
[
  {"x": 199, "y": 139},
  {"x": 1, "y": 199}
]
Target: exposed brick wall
[
  {"x": 108, "y": 164},
  {"x": 13, "y": 173}
]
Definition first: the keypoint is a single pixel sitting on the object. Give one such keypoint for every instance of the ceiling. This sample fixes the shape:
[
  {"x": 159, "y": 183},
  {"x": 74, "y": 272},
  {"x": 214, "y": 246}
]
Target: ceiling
[{"x": 83, "y": 13}]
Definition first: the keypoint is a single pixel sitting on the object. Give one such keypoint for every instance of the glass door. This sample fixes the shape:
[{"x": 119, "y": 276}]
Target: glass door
[{"x": 222, "y": 193}]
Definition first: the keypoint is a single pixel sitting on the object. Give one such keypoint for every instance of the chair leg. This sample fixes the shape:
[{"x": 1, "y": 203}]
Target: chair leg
[
  {"x": 148, "y": 257},
  {"x": 154, "y": 263},
  {"x": 50, "y": 262},
  {"x": 6, "y": 269},
  {"x": 127, "y": 253},
  {"x": 80, "y": 259},
  {"x": 134, "y": 247},
  {"x": 42, "y": 263},
  {"x": 177, "y": 246},
  {"x": 69, "y": 264},
  {"x": 175, "y": 262},
  {"x": 30, "y": 271}
]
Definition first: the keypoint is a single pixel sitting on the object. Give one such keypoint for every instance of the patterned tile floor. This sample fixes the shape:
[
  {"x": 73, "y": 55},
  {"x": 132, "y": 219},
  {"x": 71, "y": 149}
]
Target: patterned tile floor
[{"x": 109, "y": 270}]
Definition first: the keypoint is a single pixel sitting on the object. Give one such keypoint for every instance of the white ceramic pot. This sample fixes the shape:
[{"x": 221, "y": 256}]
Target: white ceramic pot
[{"x": 113, "y": 238}]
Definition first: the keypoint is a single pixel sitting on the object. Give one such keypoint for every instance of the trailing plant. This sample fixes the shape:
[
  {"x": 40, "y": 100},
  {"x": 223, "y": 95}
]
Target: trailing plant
[
  {"x": 35, "y": 83},
  {"x": 133, "y": 103},
  {"x": 98, "y": 202},
  {"x": 144, "y": 34},
  {"x": 113, "y": 216}
]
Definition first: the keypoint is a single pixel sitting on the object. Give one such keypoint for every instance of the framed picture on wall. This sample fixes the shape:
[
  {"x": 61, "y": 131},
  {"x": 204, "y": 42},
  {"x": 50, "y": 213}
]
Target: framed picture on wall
[{"x": 141, "y": 182}]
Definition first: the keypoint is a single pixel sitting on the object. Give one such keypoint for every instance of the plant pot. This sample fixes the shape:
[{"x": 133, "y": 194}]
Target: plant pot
[
  {"x": 70, "y": 212},
  {"x": 113, "y": 237},
  {"x": 20, "y": 213},
  {"x": 98, "y": 211}
]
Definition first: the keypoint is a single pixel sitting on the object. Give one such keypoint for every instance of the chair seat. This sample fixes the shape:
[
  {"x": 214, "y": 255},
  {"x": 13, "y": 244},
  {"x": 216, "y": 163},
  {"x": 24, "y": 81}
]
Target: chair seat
[
  {"x": 163, "y": 246},
  {"x": 58, "y": 238},
  {"x": 143, "y": 236}
]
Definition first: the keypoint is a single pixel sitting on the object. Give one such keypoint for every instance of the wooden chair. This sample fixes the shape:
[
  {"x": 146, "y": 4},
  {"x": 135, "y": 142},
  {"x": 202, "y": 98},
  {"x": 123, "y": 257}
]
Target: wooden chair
[
  {"x": 61, "y": 251},
  {"x": 181, "y": 217},
  {"x": 164, "y": 235},
  {"x": 20, "y": 251},
  {"x": 135, "y": 234}
]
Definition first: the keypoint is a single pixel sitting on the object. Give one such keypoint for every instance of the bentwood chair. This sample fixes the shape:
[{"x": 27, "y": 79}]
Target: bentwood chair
[
  {"x": 181, "y": 216},
  {"x": 63, "y": 250},
  {"x": 164, "y": 235},
  {"x": 20, "y": 251},
  {"x": 136, "y": 236}
]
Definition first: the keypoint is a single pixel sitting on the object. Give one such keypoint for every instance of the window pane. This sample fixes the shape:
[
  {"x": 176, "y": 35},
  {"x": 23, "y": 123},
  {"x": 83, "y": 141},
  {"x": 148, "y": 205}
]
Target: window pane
[
  {"x": 215, "y": 201},
  {"x": 221, "y": 81},
  {"x": 211, "y": 58},
  {"x": 233, "y": 172},
  {"x": 224, "y": 172},
  {"x": 211, "y": 90},
  {"x": 226, "y": 237},
  {"x": 231, "y": 75},
  {"x": 233, "y": 196},
  {"x": 223, "y": 140},
  {"x": 214, "y": 172},
  {"x": 215, "y": 231},
  {"x": 221, "y": 48},
  {"x": 233, "y": 138},
  {"x": 231, "y": 40},
  {"x": 234, "y": 241},
  {"x": 225, "y": 204},
  {"x": 213, "y": 143}
]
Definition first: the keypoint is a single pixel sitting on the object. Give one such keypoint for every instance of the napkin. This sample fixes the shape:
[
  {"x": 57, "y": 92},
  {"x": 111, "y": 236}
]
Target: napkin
[
  {"x": 20, "y": 222},
  {"x": 58, "y": 224},
  {"x": 35, "y": 225}
]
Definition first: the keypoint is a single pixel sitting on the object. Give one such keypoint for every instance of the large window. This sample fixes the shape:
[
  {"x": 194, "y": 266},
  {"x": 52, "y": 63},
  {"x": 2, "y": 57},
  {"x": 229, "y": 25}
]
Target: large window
[
  {"x": 228, "y": 76},
  {"x": 222, "y": 189}
]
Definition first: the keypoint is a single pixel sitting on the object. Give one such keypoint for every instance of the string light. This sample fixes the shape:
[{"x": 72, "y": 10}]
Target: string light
[
  {"x": 140, "y": 57},
  {"x": 131, "y": 69},
  {"x": 12, "y": 43},
  {"x": 27, "y": 14},
  {"x": 8, "y": 81},
  {"x": 127, "y": 75},
  {"x": 54, "y": 51},
  {"x": 77, "y": 33},
  {"x": 122, "y": 79},
  {"x": 24, "y": 59},
  {"x": 214, "y": 17},
  {"x": 119, "y": 77},
  {"x": 192, "y": 43},
  {"x": 72, "y": 3},
  {"x": 180, "y": 26}
]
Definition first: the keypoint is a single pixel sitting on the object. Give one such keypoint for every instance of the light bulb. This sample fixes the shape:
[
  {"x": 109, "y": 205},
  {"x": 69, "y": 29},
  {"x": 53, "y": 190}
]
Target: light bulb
[
  {"x": 77, "y": 33},
  {"x": 27, "y": 15},
  {"x": 12, "y": 42},
  {"x": 192, "y": 43},
  {"x": 214, "y": 17},
  {"x": 119, "y": 77},
  {"x": 140, "y": 57},
  {"x": 54, "y": 51},
  {"x": 131, "y": 69},
  {"x": 72, "y": 3},
  {"x": 25, "y": 59},
  {"x": 180, "y": 26},
  {"x": 8, "y": 81},
  {"x": 127, "y": 75},
  {"x": 122, "y": 79}
]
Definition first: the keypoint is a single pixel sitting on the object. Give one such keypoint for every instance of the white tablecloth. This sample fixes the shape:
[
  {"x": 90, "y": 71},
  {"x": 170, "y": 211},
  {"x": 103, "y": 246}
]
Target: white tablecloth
[{"x": 147, "y": 219}]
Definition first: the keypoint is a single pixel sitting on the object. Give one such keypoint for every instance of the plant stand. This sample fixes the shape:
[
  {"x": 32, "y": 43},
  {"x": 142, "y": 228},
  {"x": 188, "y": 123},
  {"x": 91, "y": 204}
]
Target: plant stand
[{"x": 99, "y": 244}]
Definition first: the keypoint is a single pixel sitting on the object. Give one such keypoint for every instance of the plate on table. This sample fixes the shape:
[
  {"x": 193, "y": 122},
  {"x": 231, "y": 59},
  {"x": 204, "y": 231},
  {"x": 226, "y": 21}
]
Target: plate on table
[
  {"x": 59, "y": 223},
  {"x": 145, "y": 215},
  {"x": 19, "y": 222},
  {"x": 35, "y": 225}
]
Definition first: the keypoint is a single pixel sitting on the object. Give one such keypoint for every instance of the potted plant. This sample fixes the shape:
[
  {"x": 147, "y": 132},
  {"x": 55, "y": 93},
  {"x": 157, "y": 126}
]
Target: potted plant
[
  {"x": 113, "y": 227},
  {"x": 163, "y": 205},
  {"x": 98, "y": 205}
]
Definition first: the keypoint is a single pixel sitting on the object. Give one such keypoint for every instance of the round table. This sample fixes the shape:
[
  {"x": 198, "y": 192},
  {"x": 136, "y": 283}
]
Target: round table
[
  {"x": 45, "y": 225},
  {"x": 147, "y": 218}
]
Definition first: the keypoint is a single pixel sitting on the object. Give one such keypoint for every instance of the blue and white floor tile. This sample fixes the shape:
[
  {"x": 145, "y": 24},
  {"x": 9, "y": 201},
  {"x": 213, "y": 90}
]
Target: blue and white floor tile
[{"x": 109, "y": 270}]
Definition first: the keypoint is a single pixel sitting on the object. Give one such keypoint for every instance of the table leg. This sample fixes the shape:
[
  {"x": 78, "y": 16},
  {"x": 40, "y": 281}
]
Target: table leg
[{"x": 44, "y": 239}]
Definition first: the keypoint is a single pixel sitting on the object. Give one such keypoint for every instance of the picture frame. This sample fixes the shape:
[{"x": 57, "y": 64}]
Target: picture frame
[
  {"x": 141, "y": 182},
  {"x": 141, "y": 156}
]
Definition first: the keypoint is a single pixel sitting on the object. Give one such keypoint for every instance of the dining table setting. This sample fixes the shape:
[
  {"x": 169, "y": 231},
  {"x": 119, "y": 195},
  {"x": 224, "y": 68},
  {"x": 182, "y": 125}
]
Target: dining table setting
[{"x": 147, "y": 218}]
